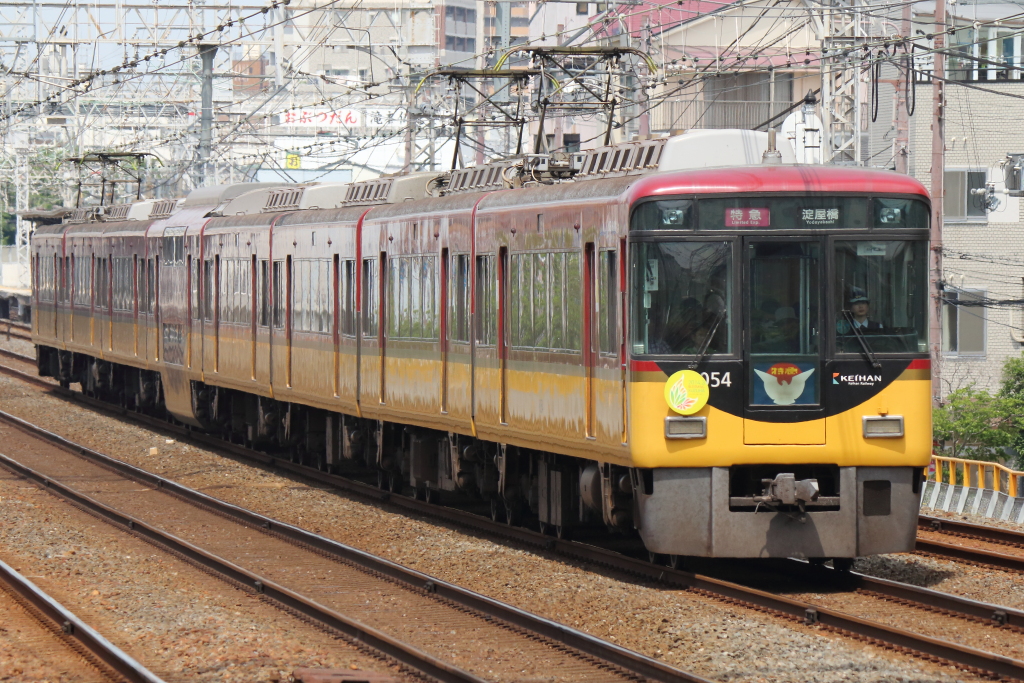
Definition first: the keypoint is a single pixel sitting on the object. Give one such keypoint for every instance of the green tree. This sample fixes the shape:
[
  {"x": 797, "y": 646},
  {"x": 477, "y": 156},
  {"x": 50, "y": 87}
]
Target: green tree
[
  {"x": 976, "y": 425},
  {"x": 1013, "y": 390}
]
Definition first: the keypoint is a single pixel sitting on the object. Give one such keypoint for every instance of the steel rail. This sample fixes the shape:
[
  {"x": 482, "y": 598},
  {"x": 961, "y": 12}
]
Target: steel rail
[
  {"x": 357, "y": 630},
  {"x": 615, "y": 655},
  {"x": 981, "y": 532},
  {"x": 965, "y": 657},
  {"x": 76, "y": 629},
  {"x": 1014, "y": 563},
  {"x": 17, "y": 356},
  {"x": 954, "y": 605}
]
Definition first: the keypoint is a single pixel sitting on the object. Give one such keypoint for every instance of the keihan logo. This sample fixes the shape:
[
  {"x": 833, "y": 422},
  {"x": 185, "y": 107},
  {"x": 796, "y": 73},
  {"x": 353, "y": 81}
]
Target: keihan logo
[{"x": 856, "y": 380}]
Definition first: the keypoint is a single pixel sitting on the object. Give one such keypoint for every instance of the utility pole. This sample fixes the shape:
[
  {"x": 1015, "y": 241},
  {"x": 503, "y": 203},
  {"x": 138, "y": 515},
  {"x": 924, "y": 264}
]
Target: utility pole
[
  {"x": 22, "y": 234},
  {"x": 503, "y": 30},
  {"x": 207, "y": 52},
  {"x": 901, "y": 150},
  {"x": 842, "y": 34},
  {"x": 938, "y": 194}
]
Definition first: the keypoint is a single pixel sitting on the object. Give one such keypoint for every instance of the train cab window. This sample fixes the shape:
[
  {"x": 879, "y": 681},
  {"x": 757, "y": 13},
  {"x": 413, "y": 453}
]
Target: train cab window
[
  {"x": 880, "y": 296},
  {"x": 682, "y": 298},
  {"x": 784, "y": 313},
  {"x": 664, "y": 214}
]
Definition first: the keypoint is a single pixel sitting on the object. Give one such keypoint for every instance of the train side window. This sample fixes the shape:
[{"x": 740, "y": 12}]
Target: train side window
[
  {"x": 235, "y": 297},
  {"x": 573, "y": 301},
  {"x": 347, "y": 298},
  {"x": 556, "y": 326},
  {"x": 520, "y": 319},
  {"x": 416, "y": 286},
  {"x": 459, "y": 298},
  {"x": 151, "y": 285},
  {"x": 262, "y": 291},
  {"x": 486, "y": 301},
  {"x": 81, "y": 293},
  {"x": 194, "y": 285},
  {"x": 430, "y": 293},
  {"x": 370, "y": 298},
  {"x": 607, "y": 300},
  {"x": 123, "y": 286},
  {"x": 279, "y": 294},
  {"x": 225, "y": 312},
  {"x": 102, "y": 280},
  {"x": 143, "y": 297},
  {"x": 208, "y": 292},
  {"x": 312, "y": 303}
]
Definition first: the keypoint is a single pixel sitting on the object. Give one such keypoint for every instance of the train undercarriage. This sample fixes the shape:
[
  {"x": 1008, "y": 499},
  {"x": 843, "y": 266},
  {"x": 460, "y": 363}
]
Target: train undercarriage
[
  {"x": 555, "y": 492},
  {"x": 678, "y": 512}
]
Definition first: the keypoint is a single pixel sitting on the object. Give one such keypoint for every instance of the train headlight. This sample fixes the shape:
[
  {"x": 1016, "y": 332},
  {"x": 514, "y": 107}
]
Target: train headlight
[
  {"x": 883, "y": 426},
  {"x": 686, "y": 427}
]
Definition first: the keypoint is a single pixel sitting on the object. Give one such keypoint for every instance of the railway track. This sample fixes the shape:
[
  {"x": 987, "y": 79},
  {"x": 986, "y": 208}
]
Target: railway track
[
  {"x": 58, "y": 639},
  {"x": 15, "y": 330},
  {"x": 969, "y": 613},
  {"x": 995, "y": 543},
  {"x": 421, "y": 622}
]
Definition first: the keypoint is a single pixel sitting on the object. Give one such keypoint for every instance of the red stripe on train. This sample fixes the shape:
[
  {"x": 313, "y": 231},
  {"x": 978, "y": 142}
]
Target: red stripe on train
[{"x": 920, "y": 364}]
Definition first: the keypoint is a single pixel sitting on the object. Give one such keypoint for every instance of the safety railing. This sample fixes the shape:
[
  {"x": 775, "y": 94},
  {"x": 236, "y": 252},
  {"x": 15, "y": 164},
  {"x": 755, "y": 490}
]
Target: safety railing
[{"x": 976, "y": 474}]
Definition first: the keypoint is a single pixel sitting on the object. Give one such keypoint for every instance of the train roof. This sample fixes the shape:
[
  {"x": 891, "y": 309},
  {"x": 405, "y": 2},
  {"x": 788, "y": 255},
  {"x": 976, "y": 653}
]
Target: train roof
[{"x": 782, "y": 178}]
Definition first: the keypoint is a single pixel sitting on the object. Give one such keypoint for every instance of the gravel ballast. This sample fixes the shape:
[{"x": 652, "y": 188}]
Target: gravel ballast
[{"x": 183, "y": 624}]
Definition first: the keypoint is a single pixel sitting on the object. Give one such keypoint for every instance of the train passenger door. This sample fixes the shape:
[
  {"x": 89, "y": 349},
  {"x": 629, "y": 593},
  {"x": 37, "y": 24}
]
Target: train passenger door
[
  {"x": 608, "y": 372},
  {"x": 590, "y": 316},
  {"x": 503, "y": 340},
  {"x": 263, "y": 320},
  {"x": 443, "y": 335},
  {"x": 782, "y": 285}
]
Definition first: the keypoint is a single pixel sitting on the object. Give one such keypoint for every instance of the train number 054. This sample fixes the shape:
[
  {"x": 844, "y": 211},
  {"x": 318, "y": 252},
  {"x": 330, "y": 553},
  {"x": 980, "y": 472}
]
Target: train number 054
[{"x": 717, "y": 379}]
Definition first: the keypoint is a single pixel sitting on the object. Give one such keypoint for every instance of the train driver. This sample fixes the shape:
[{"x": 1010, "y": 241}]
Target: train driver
[{"x": 858, "y": 316}]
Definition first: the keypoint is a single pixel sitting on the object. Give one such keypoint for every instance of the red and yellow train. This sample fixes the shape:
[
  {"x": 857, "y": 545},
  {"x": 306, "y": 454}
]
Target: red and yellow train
[{"x": 731, "y": 361}]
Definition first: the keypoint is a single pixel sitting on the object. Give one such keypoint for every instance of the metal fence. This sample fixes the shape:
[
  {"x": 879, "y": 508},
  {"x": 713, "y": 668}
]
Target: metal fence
[
  {"x": 685, "y": 114},
  {"x": 976, "y": 474}
]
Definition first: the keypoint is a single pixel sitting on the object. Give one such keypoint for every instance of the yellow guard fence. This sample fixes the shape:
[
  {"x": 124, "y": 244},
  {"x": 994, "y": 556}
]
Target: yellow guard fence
[{"x": 976, "y": 474}]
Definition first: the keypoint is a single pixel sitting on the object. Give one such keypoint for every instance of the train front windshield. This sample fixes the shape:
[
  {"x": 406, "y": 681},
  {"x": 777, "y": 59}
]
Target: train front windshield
[{"x": 856, "y": 278}]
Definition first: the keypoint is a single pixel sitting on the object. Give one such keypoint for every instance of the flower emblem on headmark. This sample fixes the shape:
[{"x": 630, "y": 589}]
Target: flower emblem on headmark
[{"x": 686, "y": 392}]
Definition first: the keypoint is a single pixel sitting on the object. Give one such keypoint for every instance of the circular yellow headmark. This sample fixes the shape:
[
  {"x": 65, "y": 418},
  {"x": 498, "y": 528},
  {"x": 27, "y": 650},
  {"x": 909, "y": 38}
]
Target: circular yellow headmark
[{"x": 686, "y": 392}]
